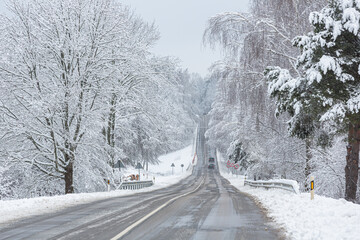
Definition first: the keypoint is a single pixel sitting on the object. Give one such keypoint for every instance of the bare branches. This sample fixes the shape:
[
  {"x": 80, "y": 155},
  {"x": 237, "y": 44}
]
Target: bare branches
[{"x": 77, "y": 73}]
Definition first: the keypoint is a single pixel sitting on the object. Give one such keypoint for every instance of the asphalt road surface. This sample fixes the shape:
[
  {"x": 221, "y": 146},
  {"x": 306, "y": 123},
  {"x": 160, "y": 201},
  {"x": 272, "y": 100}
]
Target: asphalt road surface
[{"x": 203, "y": 206}]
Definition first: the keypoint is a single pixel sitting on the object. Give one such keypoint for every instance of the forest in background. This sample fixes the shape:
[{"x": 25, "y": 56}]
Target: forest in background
[
  {"x": 80, "y": 90},
  {"x": 245, "y": 115}
]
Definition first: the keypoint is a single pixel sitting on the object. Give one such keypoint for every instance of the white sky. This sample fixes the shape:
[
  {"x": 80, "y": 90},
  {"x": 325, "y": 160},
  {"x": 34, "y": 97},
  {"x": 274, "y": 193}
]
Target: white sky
[{"x": 181, "y": 24}]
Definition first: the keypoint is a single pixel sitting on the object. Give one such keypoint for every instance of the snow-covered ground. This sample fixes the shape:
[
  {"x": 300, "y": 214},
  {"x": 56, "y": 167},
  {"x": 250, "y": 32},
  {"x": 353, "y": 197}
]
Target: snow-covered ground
[
  {"x": 16, "y": 209},
  {"x": 164, "y": 169},
  {"x": 301, "y": 218}
]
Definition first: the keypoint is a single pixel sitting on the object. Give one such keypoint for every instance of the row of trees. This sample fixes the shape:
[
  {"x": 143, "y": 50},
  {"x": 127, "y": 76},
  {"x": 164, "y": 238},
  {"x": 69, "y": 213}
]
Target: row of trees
[
  {"x": 80, "y": 90},
  {"x": 319, "y": 103}
]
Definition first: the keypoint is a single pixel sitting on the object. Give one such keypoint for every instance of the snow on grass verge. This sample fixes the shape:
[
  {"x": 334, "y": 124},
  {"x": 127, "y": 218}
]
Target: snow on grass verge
[
  {"x": 13, "y": 210},
  {"x": 183, "y": 156},
  {"x": 304, "y": 219}
]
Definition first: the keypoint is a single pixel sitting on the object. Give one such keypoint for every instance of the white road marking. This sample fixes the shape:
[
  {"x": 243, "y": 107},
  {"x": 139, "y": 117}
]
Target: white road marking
[{"x": 138, "y": 222}]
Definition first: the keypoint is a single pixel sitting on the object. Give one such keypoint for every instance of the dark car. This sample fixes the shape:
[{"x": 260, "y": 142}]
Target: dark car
[
  {"x": 211, "y": 166},
  {"x": 211, "y": 160}
]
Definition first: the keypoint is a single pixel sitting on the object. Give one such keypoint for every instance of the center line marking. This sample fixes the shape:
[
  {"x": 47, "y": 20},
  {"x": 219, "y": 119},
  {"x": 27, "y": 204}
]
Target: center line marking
[{"x": 141, "y": 220}]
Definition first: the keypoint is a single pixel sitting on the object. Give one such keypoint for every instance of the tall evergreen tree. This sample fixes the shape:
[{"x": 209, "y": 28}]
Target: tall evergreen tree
[{"x": 328, "y": 88}]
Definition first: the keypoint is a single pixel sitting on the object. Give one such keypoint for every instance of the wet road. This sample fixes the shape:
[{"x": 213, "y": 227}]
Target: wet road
[
  {"x": 216, "y": 211},
  {"x": 204, "y": 206}
]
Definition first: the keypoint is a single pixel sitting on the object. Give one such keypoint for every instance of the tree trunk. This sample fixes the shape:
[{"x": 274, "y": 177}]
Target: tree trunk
[
  {"x": 307, "y": 163},
  {"x": 111, "y": 130},
  {"x": 352, "y": 162},
  {"x": 69, "y": 188}
]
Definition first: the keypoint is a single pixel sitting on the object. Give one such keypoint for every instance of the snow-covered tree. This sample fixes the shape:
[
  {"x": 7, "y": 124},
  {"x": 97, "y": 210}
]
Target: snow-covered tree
[
  {"x": 237, "y": 154},
  {"x": 79, "y": 90},
  {"x": 328, "y": 86},
  {"x": 53, "y": 66},
  {"x": 242, "y": 109}
]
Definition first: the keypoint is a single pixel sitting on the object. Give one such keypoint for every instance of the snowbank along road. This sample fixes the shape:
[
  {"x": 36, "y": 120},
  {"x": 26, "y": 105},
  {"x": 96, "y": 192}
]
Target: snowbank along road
[{"x": 203, "y": 206}]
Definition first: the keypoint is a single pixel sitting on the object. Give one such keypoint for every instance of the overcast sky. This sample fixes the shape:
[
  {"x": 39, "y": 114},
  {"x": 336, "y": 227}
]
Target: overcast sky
[{"x": 181, "y": 24}]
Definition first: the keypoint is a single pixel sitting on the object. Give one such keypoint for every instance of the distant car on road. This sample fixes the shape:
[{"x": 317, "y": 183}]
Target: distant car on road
[
  {"x": 211, "y": 166},
  {"x": 211, "y": 160}
]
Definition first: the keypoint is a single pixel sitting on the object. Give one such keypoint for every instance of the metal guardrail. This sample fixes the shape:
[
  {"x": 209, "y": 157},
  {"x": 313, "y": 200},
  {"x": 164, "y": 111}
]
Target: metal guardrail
[
  {"x": 272, "y": 184},
  {"x": 133, "y": 185}
]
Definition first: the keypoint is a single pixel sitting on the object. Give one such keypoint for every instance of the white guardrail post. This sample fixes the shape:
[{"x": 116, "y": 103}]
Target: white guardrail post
[{"x": 290, "y": 186}]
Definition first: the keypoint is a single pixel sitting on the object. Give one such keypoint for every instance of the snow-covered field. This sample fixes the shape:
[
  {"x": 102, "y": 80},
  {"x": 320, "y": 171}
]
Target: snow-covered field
[
  {"x": 164, "y": 169},
  {"x": 16, "y": 209},
  {"x": 304, "y": 219}
]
